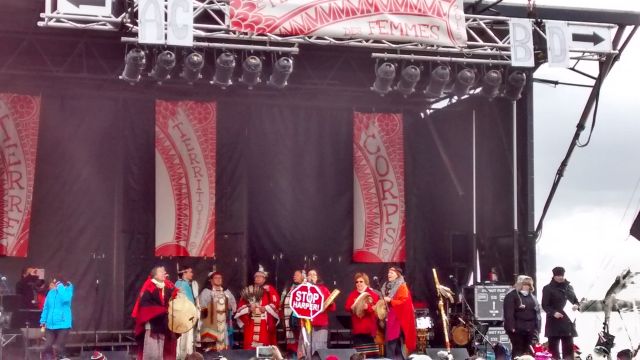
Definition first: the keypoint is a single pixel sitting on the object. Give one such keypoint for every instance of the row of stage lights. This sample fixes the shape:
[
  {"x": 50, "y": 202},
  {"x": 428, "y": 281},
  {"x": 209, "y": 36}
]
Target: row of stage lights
[
  {"x": 193, "y": 65},
  {"x": 441, "y": 83}
]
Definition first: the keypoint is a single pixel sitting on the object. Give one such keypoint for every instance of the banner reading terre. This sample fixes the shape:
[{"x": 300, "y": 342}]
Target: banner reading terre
[
  {"x": 185, "y": 178},
  {"x": 436, "y": 22},
  {"x": 19, "y": 121},
  {"x": 379, "y": 207}
]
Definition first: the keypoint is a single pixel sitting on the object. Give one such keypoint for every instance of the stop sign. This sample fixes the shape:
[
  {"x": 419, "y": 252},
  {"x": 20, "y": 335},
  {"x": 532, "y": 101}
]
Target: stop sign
[{"x": 307, "y": 301}]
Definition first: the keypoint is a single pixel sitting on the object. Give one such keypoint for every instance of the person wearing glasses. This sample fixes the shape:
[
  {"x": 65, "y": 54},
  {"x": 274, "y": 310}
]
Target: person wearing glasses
[{"x": 361, "y": 304}]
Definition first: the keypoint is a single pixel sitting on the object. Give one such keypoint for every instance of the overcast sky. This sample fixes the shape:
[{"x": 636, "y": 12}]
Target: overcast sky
[{"x": 586, "y": 229}]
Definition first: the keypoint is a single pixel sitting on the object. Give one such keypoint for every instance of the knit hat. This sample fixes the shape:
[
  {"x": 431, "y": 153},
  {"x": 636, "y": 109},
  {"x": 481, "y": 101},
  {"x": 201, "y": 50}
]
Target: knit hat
[
  {"x": 558, "y": 271},
  {"x": 396, "y": 269}
]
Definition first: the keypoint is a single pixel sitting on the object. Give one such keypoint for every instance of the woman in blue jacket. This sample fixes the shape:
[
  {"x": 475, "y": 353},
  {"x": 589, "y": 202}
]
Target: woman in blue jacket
[{"x": 56, "y": 318}]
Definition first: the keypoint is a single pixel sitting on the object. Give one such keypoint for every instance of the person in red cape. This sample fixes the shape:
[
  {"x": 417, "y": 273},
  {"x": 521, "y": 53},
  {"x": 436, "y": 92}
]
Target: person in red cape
[
  {"x": 361, "y": 304},
  {"x": 401, "y": 324},
  {"x": 155, "y": 340},
  {"x": 257, "y": 312}
]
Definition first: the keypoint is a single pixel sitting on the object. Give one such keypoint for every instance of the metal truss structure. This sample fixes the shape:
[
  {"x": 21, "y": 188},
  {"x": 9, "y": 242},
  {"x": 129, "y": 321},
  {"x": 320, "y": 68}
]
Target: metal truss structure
[{"x": 489, "y": 38}]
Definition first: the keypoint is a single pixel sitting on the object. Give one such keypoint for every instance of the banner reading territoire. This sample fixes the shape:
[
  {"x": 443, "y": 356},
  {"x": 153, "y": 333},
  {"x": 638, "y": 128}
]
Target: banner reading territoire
[
  {"x": 379, "y": 207},
  {"x": 19, "y": 121},
  {"x": 185, "y": 178},
  {"x": 437, "y": 22}
]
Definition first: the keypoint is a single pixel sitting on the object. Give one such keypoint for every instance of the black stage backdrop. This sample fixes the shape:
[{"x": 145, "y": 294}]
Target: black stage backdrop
[{"x": 284, "y": 195}]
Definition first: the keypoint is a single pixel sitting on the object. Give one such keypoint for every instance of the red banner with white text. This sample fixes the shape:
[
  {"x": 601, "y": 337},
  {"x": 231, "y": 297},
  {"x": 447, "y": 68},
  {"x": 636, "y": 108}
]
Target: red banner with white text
[
  {"x": 185, "y": 178},
  {"x": 19, "y": 121},
  {"x": 379, "y": 207},
  {"x": 434, "y": 22}
]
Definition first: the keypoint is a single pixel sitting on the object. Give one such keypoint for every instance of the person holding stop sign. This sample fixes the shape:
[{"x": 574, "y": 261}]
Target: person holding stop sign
[{"x": 319, "y": 332}]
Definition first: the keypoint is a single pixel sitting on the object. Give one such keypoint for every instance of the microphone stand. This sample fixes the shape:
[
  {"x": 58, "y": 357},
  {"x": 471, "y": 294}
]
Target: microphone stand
[{"x": 97, "y": 258}]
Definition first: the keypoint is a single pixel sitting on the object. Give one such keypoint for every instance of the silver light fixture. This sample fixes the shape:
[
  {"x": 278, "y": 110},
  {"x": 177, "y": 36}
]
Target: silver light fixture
[
  {"x": 282, "y": 69},
  {"x": 491, "y": 82},
  {"x": 515, "y": 84},
  {"x": 192, "y": 67},
  {"x": 165, "y": 62},
  {"x": 134, "y": 63},
  {"x": 439, "y": 79},
  {"x": 385, "y": 74},
  {"x": 225, "y": 64},
  {"x": 251, "y": 71},
  {"x": 464, "y": 81},
  {"x": 409, "y": 77}
]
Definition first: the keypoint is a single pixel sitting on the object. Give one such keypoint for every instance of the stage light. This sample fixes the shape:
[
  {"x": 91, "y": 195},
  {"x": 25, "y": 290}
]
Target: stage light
[
  {"x": 515, "y": 84},
  {"x": 165, "y": 62},
  {"x": 192, "y": 67},
  {"x": 409, "y": 77},
  {"x": 251, "y": 71},
  {"x": 464, "y": 82},
  {"x": 225, "y": 63},
  {"x": 384, "y": 78},
  {"x": 134, "y": 62},
  {"x": 281, "y": 71},
  {"x": 491, "y": 84},
  {"x": 439, "y": 78}
]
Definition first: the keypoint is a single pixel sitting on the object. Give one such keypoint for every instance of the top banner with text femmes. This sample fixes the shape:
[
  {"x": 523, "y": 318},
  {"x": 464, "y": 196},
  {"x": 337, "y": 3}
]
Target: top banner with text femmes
[
  {"x": 379, "y": 207},
  {"x": 436, "y": 22},
  {"x": 19, "y": 121},
  {"x": 185, "y": 178}
]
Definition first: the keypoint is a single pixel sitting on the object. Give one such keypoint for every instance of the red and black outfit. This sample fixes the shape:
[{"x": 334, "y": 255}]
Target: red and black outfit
[
  {"x": 151, "y": 317},
  {"x": 363, "y": 329},
  {"x": 259, "y": 329},
  {"x": 401, "y": 322}
]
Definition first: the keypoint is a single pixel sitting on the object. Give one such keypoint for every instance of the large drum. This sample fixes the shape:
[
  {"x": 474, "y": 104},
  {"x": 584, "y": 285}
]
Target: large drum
[
  {"x": 461, "y": 335},
  {"x": 183, "y": 314}
]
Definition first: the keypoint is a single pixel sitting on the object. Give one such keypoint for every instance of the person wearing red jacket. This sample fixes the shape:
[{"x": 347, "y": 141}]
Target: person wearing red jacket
[
  {"x": 361, "y": 303},
  {"x": 401, "y": 322},
  {"x": 258, "y": 312},
  {"x": 155, "y": 340},
  {"x": 320, "y": 324}
]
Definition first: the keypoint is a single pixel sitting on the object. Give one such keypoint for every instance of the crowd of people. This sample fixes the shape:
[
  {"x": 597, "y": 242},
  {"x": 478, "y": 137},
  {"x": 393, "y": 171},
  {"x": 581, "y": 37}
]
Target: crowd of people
[
  {"x": 383, "y": 317},
  {"x": 260, "y": 309}
]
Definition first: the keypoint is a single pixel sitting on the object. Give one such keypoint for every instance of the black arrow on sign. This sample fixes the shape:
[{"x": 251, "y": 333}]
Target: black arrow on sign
[
  {"x": 77, "y": 3},
  {"x": 594, "y": 38}
]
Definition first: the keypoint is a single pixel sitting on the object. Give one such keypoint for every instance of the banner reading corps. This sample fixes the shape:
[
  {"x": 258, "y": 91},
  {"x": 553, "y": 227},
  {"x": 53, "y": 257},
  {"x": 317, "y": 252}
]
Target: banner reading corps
[
  {"x": 437, "y": 22},
  {"x": 19, "y": 121},
  {"x": 185, "y": 178},
  {"x": 379, "y": 208}
]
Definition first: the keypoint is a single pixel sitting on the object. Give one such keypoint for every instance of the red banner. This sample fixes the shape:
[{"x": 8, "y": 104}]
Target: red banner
[
  {"x": 436, "y": 22},
  {"x": 379, "y": 208},
  {"x": 185, "y": 178},
  {"x": 19, "y": 121}
]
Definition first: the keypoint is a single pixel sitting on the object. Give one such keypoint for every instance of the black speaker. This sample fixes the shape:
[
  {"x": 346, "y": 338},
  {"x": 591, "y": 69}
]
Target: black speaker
[
  {"x": 342, "y": 354},
  {"x": 238, "y": 354},
  {"x": 461, "y": 249},
  {"x": 458, "y": 353}
]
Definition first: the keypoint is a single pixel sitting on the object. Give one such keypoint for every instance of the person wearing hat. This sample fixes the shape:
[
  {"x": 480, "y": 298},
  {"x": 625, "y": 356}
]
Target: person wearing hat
[
  {"x": 217, "y": 304},
  {"x": 522, "y": 317},
  {"x": 400, "y": 323},
  {"x": 559, "y": 328},
  {"x": 257, "y": 312}
]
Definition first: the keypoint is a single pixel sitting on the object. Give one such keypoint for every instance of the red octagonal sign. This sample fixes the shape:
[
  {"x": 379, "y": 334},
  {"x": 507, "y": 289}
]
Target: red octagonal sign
[{"x": 307, "y": 301}]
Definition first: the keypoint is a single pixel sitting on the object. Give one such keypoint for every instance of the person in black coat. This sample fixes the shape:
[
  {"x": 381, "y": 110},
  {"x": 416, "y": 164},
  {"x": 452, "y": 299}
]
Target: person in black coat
[
  {"x": 522, "y": 316},
  {"x": 559, "y": 328}
]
